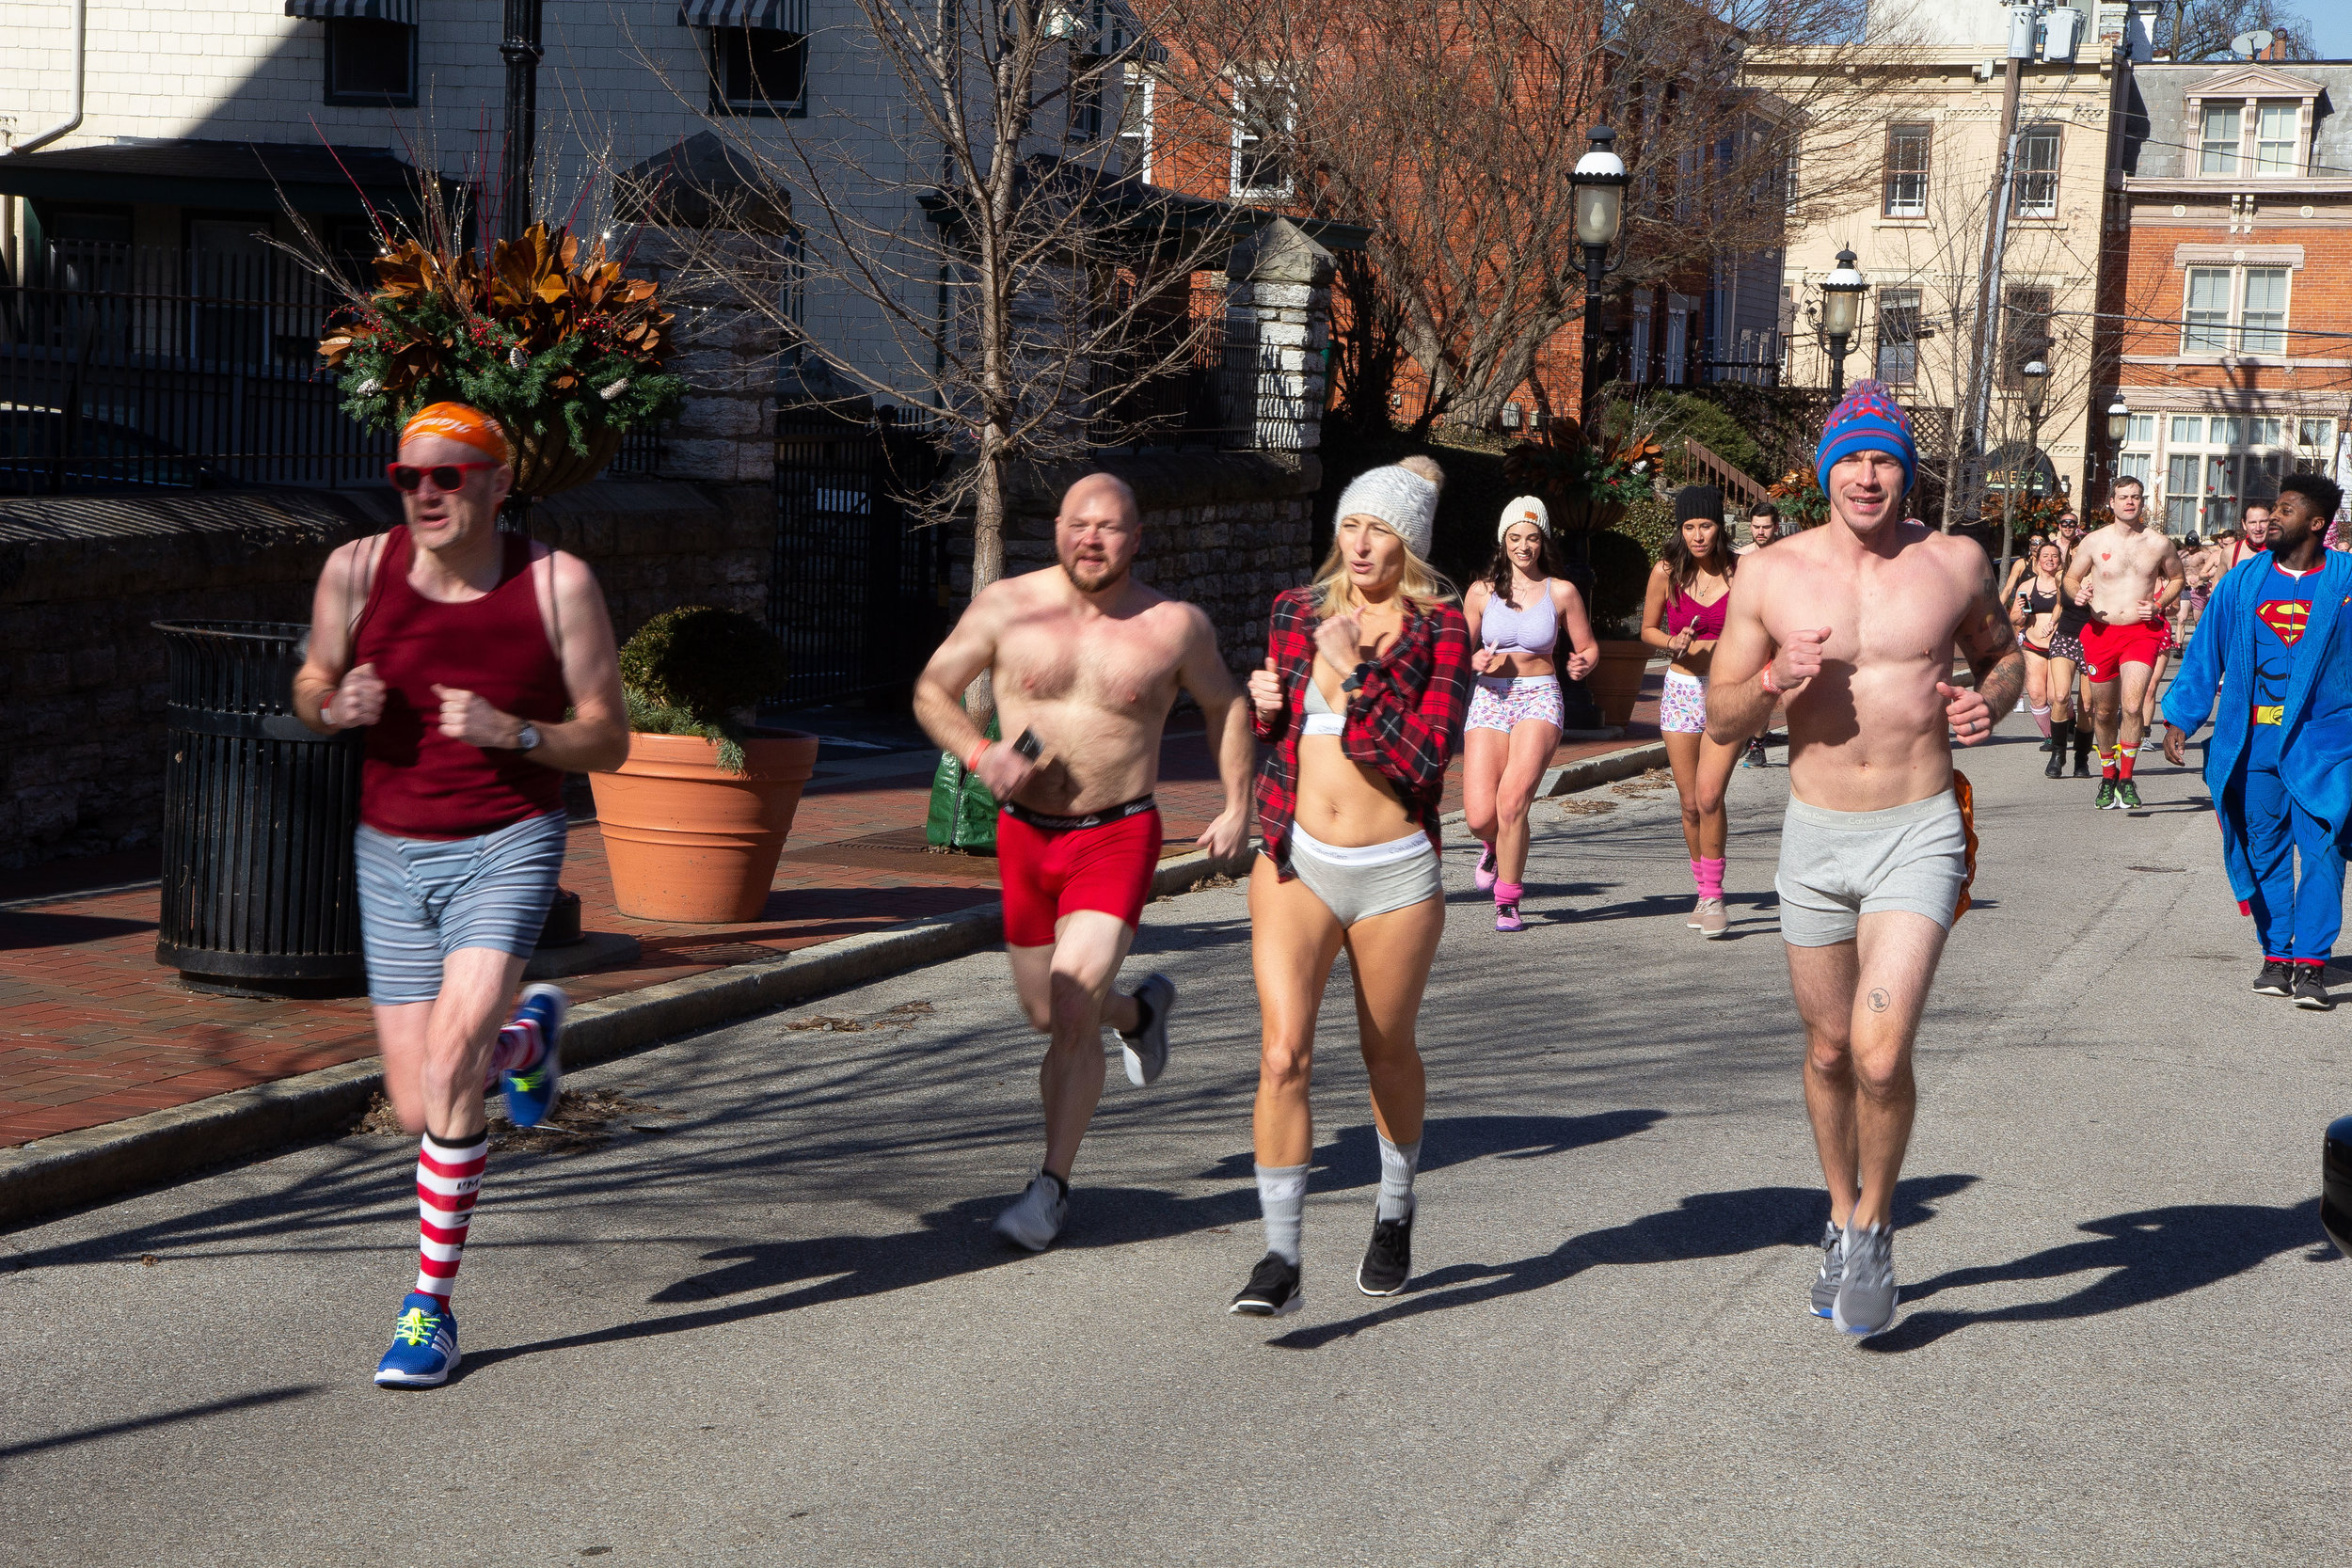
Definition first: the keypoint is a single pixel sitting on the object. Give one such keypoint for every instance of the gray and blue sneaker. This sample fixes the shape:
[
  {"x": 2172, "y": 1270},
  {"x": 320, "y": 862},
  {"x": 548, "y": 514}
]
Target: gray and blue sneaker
[
  {"x": 424, "y": 1345},
  {"x": 1035, "y": 1218},
  {"x": 1147, "y": 1048},
  {"x": 1865, "y": 1290},
  {"x": 1833, "y": 1269},
  {"x": 532, "y": 1092}
]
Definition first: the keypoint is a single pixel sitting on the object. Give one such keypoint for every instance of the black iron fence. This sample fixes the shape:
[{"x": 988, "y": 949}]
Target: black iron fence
[
  {"x": 126, "y": 366},
  {"x": 859, "y": 593},
  {"x": 140, "y": 367},
  {"x": 1226, "y": 390}
]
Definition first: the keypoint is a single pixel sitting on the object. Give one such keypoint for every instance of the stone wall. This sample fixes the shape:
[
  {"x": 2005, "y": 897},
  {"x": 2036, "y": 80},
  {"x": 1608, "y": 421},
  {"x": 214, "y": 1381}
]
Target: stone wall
[
  {"x": 83, "y": 577},
  {"x": 1226, "y": 530}
]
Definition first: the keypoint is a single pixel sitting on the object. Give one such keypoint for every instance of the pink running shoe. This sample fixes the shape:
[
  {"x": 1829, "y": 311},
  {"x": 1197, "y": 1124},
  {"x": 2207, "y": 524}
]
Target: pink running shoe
[
  {"x": 1508, "y": 907},
  {"x": 1485, "y": 875}
]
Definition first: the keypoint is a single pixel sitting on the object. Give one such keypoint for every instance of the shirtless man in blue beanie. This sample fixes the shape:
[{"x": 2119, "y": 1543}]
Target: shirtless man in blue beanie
[{"x": 1854, "y": 625}]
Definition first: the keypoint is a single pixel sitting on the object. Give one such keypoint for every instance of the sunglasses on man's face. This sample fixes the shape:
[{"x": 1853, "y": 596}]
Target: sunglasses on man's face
[{"x": 447, "y": 477}]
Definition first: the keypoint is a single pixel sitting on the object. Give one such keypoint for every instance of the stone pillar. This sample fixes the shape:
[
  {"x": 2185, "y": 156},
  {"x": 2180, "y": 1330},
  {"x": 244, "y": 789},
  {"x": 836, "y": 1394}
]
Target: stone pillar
[
  {"x": 1278, "y": 296},
  {"x": 727, "y": 352}
]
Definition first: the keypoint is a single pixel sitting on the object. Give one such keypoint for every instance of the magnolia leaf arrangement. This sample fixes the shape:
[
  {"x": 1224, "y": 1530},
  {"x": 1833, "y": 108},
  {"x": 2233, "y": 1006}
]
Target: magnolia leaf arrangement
[{"x": 545, "y": 337}]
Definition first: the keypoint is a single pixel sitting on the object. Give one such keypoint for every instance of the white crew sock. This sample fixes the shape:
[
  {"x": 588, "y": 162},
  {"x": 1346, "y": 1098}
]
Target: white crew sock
[
  {"x": 1397, "y": 1163},
  {"x": 1282, "y": 1200}
]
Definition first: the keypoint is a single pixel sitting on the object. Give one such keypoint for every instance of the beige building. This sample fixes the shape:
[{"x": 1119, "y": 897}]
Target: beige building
[{"x": 1900, "y": 170}]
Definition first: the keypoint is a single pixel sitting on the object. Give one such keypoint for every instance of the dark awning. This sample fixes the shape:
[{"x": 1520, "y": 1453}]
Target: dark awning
[
  {"x": 404, "y": 11},
  {"x": 788, "y": 16},
  {"x": 239, "y": 175}
]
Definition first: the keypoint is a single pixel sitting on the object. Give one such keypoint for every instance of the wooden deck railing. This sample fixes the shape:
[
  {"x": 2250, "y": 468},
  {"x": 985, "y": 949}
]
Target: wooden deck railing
[{"x": 1707, "y": 466}]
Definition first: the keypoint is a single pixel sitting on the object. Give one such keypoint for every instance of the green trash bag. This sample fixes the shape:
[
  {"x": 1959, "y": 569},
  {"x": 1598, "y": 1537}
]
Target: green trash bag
[{"x": 963, "y": 813}]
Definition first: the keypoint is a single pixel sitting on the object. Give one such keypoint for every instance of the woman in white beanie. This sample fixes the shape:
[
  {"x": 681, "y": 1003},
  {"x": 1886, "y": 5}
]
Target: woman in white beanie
[
  {"x": 1362, "y": 692},
  {"x": 1515, "y": 614}
]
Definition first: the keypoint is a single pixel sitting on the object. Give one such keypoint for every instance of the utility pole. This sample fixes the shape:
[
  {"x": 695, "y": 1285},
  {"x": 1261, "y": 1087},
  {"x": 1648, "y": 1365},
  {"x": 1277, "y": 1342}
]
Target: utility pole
[{"x": 1961, "y": 496}]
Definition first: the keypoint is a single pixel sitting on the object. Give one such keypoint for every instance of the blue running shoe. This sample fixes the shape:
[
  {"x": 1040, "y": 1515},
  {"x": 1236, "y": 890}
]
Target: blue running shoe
[
  {"x": 531, "y": 1094},
  {"x": 424, "y": 1345}
]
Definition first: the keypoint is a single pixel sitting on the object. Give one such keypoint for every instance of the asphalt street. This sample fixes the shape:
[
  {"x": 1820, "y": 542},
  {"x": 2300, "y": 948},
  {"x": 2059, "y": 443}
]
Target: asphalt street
[{"x": 764, "y": 1321}]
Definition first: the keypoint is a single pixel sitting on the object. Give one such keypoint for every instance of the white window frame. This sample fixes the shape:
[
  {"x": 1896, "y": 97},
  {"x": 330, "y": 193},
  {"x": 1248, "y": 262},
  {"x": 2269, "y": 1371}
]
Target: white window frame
[
  {"x": 1241, "y": 139},
  {"x": 2232, "y": 454},
  {"x": 1138, "y": 137},
  {"x": 2048, "y": 205},
  {"x": 2244, "y": 161},
  {"x": 2232, "y": 331},
  {"x": 1912, "y": 204},
  {"x": 2212, "y": 150},
  {"x": 2292, "y": 165}
]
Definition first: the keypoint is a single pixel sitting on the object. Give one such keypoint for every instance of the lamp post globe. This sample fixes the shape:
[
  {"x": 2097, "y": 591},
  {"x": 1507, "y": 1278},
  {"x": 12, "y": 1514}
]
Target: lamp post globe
[
  {"x": 1841, "y": 312},
  {"x": 2037, "y": 376},
  {"x": 1598, "y": 183},
  {"x": 2119, "y": 421}
]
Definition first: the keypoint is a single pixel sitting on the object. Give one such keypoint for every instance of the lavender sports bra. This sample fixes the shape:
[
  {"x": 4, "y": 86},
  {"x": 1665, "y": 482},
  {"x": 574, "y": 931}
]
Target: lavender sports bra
[{"x": 1534, "y": 630}]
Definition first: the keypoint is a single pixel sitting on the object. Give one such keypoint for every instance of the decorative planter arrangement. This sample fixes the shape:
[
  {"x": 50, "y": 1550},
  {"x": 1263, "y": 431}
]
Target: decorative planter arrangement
[
  {"x": 696, "y": 817},
  {"x": 557, "y": 346}
]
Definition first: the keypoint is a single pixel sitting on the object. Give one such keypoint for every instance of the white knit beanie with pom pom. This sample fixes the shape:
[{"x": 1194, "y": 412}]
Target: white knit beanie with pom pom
[{"x": 1403, "y": 499}]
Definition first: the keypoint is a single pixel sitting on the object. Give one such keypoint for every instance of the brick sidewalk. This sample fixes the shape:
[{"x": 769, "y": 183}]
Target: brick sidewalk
[{"x": 93, "y": 1030}]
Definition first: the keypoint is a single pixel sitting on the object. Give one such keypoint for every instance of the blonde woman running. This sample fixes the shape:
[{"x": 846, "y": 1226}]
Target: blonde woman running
[
  {"x": 1515, "y": 614},
  {"x": 1362, "y": 692},
  {"x": 1689, "y": 592}
]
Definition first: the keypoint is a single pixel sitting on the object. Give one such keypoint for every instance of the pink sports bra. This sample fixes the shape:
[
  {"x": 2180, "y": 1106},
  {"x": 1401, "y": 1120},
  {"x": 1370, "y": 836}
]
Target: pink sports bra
[{"x": 1706, "y": 621}]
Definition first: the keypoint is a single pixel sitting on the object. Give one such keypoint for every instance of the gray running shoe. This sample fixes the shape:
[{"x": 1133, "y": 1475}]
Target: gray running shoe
[
  {"x": 1833, "y": 1269},
  {"x": 1147, "y": 1051},
  {"x": 1035, "y": 1217},
  {"x": 1711, "y": 920},
  {"x": 1865, "y": 1291}
]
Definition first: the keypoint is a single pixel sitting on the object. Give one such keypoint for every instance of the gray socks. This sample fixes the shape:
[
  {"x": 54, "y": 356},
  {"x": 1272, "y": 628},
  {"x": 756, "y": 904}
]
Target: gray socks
[
  {"x": 1282, "y": 1200},
  {"x": 1397, "y": 1164}
]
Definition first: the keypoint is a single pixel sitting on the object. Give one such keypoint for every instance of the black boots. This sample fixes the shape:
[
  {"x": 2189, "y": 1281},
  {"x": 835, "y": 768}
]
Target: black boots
[
  {"x": 2084, "y": 736},
  {"x": 2061, "y": 733}
]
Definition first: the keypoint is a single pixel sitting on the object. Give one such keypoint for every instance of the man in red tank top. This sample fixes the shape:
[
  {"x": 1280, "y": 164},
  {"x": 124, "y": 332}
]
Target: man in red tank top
[{"x": 459, "y": 649}]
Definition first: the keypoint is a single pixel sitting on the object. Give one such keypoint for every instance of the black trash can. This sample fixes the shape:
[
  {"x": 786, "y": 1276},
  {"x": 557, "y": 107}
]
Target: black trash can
[{"x": 260, "y": 896}]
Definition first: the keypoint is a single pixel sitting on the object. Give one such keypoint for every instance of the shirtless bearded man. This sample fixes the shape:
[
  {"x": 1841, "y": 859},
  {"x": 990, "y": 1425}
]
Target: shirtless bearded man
[
  {"x": 2129, "y": 578},
  {"x": 1854, "y": 622},
  {"x": 1087, "y": 660}
]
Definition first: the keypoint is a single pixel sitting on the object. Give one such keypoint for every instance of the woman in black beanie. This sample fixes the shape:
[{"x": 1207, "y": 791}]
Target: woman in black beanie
[{"x": 1689, "y": 593}]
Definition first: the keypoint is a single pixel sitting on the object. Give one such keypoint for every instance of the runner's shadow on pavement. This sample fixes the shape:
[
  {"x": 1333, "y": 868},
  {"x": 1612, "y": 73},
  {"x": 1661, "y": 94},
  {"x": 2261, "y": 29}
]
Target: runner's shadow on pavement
[
  {"x": 956, "y": 1239},
  {"x": 1708, "y": 1225},
  {"x": 2137, "y": 1259}
]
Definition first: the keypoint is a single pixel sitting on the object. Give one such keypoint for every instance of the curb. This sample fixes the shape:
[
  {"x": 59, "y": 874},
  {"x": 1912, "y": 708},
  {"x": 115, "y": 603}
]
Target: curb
[{"x": 70, "y": 1170}]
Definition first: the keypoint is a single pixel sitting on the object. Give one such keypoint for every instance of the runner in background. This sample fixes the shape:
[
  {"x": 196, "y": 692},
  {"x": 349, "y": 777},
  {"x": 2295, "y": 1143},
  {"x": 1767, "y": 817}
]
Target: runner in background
[
  {"x": 1689, "y": 589},
  {"x": 1516, "y": 615}
]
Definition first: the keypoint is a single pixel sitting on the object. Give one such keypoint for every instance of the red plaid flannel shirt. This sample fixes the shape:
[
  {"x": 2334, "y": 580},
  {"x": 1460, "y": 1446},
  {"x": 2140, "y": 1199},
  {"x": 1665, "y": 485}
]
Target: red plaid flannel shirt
[{"x": 1405, "y": 720}]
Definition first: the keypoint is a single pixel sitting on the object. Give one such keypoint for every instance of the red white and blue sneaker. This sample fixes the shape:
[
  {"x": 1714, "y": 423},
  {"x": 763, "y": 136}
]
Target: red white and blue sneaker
[
  {"x": 531, "y": 1092},
  {"x": 424, "y": 1345}
]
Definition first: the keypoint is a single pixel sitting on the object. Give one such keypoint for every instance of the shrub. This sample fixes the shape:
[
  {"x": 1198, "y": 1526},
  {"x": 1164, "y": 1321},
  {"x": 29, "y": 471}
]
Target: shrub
[
  {"x": 696, "y": 671},
  {"x": 1621, "y": 568}
]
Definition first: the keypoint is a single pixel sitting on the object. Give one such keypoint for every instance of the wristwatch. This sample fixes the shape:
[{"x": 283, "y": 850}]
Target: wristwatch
[
  {"x": 527, "y": 737},
  {"x": 1354, "y": 681}
]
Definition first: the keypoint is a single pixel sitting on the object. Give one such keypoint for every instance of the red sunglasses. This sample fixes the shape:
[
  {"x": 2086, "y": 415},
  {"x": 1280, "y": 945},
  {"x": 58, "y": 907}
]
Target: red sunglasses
[{"x": 446, "y": 476}]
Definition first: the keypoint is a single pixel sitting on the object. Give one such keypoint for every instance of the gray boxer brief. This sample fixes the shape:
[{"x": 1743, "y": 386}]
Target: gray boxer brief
[{"x": 1836, "y": 866}]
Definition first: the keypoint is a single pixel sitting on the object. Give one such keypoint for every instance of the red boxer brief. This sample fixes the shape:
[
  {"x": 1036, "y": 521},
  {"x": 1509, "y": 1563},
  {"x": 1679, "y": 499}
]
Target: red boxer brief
[
  {"x": 1050, "y": 866},
  {"x": 2106, "y": 648}
]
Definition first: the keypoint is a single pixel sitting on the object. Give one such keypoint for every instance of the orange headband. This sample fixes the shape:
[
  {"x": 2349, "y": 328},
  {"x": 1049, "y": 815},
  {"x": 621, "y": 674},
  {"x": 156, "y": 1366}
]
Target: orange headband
[{"x": 456, "y": 421}]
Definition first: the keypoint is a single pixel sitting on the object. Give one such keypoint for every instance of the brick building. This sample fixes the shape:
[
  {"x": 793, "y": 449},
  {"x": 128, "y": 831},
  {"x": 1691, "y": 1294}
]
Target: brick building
[{"x": 2231, "y": 276}]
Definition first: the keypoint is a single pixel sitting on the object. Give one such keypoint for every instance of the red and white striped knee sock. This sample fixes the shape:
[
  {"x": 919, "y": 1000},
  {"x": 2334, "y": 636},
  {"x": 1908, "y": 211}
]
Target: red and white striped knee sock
[
  {"x": 448, "y": 1175},
  {"x": 518, "y": 1049}
]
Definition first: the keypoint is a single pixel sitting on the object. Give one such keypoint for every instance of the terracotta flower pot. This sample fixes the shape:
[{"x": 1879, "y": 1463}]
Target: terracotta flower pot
[
  {"x": 688, "y": 842},
  {"x": 1616, "y": 682}
]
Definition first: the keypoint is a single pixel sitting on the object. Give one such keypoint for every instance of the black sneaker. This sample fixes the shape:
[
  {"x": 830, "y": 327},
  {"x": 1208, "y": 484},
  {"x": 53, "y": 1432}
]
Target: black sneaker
[
  {"x": 2277, "y": 979},
  {"x": 1272, "y": 1291},
  {"x": 2310, "y": 988},
  {"x": 1388, "y": 1260},
  {"x": 2126, "y": 795}
]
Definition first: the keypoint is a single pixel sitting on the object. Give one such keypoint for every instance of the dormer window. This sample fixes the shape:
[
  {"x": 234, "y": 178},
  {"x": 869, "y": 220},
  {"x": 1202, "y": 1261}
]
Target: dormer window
[{"x": 2254, "y": 122}]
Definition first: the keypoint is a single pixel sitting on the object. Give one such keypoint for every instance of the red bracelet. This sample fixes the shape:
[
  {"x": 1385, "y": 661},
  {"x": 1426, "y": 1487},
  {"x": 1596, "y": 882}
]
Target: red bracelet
[
  {"x": 1770, "y": 689},
  {"x": 971, "y": 763}
]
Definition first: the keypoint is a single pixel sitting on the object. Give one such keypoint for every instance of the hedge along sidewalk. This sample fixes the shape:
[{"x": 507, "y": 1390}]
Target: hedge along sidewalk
[{"x": 86, "y": 1166}]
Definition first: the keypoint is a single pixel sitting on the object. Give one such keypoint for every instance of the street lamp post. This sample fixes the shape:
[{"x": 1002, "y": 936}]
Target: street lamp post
[
  {"x": 520, "y": 50},
  {"x": 1841, "y": 312},
  {"x": 2118, "y": 429},
  {"x": 1598, "y": 186}
]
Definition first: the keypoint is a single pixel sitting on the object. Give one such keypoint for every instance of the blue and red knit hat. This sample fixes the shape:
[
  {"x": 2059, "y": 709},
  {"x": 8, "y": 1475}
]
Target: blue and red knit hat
[{"x": 1867, "y": 419}]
